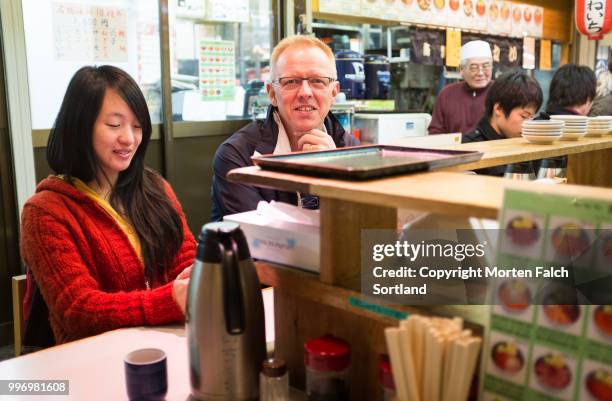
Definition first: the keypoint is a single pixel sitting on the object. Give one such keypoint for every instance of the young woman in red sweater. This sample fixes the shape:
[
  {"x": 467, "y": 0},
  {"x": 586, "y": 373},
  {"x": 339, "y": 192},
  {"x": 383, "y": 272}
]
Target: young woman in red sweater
[{"x": 105, "y": 238}]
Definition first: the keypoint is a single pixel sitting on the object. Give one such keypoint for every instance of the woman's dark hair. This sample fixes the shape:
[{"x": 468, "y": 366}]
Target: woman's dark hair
[
  {"x": 572, "y": 85},
  {"x": 511, "y": 90},
  {"x": 139, "y": 193}
]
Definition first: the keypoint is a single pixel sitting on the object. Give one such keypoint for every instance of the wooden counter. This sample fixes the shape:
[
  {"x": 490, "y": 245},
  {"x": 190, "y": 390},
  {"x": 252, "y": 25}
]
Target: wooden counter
[{"x": 310, "y": 308}]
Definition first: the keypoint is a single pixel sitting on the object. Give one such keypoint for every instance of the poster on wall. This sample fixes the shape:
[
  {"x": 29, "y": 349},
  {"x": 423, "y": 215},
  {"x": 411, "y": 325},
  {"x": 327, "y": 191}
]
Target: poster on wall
[
  {"x": 537, "y": 24},
  {"x": 520, "y": 14},
  {"x": 217, "y": 66},
  {"x": 467, "y": 15},
  {"x": 455, "y": 13},
  {"x": 83, "y": 32},
  {"x": 227, "y": 11},
  {"x": 346, "y": 7},
  {"x": 539, "y": 346},
  {"x": 407, "y": 10},
  {"x": 528, "y": 53},
  {"x": 439, "y": 13},
  {"x": 388, "y": 10},
  {"x": 498, "y": 18},
  {"x": 453, "y": 47},
  {"x": 480, "y": 14},
  {"x": 545, "y": 55},
  {"x": 372, "y": 8}
]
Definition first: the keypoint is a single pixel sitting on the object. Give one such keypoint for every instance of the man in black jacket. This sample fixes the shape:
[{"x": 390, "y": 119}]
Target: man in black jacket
[{"x": 302, "y": 90}]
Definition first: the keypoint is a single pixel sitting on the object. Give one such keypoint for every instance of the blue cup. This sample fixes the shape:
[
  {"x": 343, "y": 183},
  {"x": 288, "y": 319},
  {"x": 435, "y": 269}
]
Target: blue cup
[{"x": 146, "y": 375}]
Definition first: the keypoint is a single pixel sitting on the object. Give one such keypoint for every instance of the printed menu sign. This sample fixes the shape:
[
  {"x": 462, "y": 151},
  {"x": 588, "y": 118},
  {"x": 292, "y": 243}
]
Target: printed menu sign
[
  {"x": 528, "y": 53},
  {"x": 499, "y": 21},
  {"x": 83, "y": 32},
  {"x": 539, "y": 346},
  {"x": 498, "y": 17},
  {"x": 217, "y": 64},
  {"x": 453, "y": 47},
  {"x": 545, "y": 55},
  {"x": 229, "y": 11},
  {"x": 348, "y": 7}
]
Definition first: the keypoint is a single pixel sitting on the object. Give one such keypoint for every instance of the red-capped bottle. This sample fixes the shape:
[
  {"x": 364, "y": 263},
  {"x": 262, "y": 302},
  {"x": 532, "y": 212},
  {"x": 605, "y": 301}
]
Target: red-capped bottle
[
  {"x": 385, "y": 377},
  {"x": 327, "y": 361}
]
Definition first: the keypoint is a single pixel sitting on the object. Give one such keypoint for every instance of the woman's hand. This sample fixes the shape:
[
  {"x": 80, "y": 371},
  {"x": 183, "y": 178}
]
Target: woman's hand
[{"x": 180, "y": 288}]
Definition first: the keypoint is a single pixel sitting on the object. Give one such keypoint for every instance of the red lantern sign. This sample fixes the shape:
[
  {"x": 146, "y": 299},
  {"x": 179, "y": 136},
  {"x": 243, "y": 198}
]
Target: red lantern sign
[{"x": 594, "y": 18}]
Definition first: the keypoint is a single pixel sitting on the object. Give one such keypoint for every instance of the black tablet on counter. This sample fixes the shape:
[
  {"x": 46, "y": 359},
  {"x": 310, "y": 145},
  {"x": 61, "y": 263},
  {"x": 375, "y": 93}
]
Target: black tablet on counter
[{"x": 365, "y": 162}]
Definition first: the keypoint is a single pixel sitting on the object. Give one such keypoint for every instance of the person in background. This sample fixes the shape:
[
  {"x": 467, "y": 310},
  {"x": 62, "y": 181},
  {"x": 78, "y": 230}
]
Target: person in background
[
  {"x": 459, "y": 106},
  {"x": 602, "y": 105},
  {"x": 302, "y": 90},
  {"x": 571, "y": 92},
  {"x": 105, "y": 238},
  {"x": 512, "y": 99}
]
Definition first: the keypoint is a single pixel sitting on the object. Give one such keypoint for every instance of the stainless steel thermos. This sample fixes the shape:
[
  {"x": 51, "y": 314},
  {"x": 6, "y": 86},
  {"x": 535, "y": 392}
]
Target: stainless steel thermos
[{"x": 224, "y": 318}]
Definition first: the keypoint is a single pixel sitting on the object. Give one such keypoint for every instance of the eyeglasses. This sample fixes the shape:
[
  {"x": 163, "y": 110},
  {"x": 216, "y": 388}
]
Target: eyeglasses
[
  {"x": 293, "y": 83},
  {"x": 474, "y": 68}
]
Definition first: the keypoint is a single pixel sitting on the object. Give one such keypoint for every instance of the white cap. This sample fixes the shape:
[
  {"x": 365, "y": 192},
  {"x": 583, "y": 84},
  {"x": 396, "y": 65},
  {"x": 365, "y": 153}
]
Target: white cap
[{"x": 475, "y": 49}]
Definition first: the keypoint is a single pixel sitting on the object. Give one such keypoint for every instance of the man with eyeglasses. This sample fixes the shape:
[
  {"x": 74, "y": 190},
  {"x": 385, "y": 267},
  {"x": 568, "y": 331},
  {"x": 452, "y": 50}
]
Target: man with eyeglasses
[
  {"x": 460, "y": 106},
  {"x": 302, "y": 89}
]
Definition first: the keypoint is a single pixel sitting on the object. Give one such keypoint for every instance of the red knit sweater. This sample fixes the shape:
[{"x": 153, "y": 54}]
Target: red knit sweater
[{"x": 88, "y": 273}]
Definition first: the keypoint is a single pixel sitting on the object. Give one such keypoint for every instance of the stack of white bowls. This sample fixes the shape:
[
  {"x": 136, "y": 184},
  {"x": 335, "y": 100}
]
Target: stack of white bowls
[
  {"x": 598, "y": 126},
  {"x": 542, "y": 132},
  {"x": 575, "y": 126}
]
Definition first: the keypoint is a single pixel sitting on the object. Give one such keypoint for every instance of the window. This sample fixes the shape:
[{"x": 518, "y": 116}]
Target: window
[
  {"x": 62, "y": 36},
  {"x": 220, "y": 54}
]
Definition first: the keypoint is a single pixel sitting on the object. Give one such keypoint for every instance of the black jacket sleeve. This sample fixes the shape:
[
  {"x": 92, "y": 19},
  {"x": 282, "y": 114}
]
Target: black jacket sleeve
[{"x": 229, "y": 197}]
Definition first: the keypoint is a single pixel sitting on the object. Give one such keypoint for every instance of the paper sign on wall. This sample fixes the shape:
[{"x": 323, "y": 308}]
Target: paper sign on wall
[
  {"x": 217, "y": 65},
  {"x": 83, "y": 32},
  {"x": 545, "y": 55},
  {"x": 528, "y": 53},
  {"x": 453, "y": 47},
  {"x": 228, "y": 11}
]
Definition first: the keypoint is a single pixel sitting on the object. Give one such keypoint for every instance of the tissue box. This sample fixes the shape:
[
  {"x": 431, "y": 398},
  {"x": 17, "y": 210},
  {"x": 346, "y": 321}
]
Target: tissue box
[{"x": 288, "y": 243}]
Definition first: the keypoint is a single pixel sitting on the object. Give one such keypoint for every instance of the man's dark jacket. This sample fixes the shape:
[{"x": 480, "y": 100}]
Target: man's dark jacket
[{"x": 261, "y": 136}]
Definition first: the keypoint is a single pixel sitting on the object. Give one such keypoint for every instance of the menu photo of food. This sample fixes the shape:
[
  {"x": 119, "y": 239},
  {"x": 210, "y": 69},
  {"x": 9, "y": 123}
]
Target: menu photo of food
[
  {"x": 600, "y": 323},
  {"x": 523, "y": 234},
  {"x": 406, "y": 10},
  {"x": 519, "y": 28},
  {"x": 493, "y": 397},
  {"x": 507, "y": 357},
  {"x": 603, "y": 259},
  {"x": 498, "y": 17},
  {"x": 552, "y": 372},
  {"x": 438, "y": 13},
  {"x": 480, "y": 14},
  {"x": 570, "y": 241},
  {"x": 596, "y": 381},
  {"x": 559, "y": 308},
  {"x": 373, "y": 8},
  {"x": 454, "y": 13},
  {"x": 467, "y": 14},
  {"x": 514, "y": 298}
]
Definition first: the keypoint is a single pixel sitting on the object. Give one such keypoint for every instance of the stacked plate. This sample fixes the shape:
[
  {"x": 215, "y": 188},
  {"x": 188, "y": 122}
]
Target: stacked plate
[
  {"x": 598, "y": 126},
  {"x": 542, "y": 131},
  {"x": 575, "y": 126}
]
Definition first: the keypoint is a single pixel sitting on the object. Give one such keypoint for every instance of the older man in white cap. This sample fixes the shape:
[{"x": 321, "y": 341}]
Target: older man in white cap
[{"x": 459, "y": 106}]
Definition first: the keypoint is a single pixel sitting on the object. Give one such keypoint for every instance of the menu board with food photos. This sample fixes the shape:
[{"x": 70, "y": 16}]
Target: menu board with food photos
[
  {"x": 217, "y": 63},
  {"x": 373, "y": 8},
  {"x": 499, "y": 21},
  {"x": 541, "y": 345},
  {"x": 348, "y": 7},
  {"x": 498, "y": 17}
]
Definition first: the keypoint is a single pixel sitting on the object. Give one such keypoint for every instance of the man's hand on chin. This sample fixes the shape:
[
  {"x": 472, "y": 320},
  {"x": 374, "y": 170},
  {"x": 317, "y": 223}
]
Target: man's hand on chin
[{"x": 315, "y": 139}]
